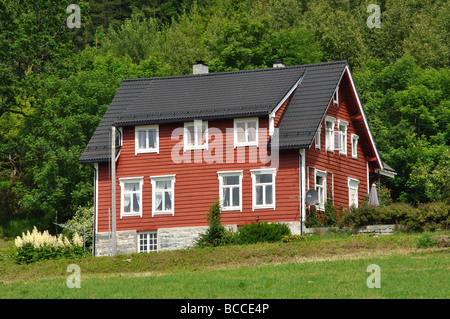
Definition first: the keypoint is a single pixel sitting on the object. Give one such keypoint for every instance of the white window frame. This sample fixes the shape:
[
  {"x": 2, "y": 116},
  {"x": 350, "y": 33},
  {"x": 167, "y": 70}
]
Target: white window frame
[
  {"x": 146, "y": 128},
  {"x": 329, "y": 133},
  {"x": 124, "y": 181},
  {"x": 317, "y": 137},
  {"x": 321, "y": 188},
  {"x": 246, "y": 121},
  {"x": 263, "y": 171},
  {"x": 163, "y": 178},
  {"x": 353, "y": 185},
  {"x": 223, "y": 174},
  {"x": 355, "y": 139},
  {"x": 198, "y": 125},
  {"x": 342, "y": 137},
  {"x": 149, "y": 247}
]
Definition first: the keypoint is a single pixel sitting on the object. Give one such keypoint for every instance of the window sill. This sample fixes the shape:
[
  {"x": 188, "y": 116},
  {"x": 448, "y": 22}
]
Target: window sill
[
  {"x": 131, "y": 215},
  {"x": 147, "y": 151}
]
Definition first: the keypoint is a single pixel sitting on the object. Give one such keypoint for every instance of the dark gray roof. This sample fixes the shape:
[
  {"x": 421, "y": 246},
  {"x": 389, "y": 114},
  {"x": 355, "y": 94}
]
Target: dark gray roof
[{"x": 223, "y": 95}]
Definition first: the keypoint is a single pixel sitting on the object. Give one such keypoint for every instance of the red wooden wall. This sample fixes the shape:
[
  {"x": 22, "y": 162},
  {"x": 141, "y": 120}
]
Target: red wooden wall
[{"x": 197, "y": 184}]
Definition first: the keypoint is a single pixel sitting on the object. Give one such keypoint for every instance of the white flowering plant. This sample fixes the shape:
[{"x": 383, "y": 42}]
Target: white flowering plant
[{"x": 34, "y": 246}]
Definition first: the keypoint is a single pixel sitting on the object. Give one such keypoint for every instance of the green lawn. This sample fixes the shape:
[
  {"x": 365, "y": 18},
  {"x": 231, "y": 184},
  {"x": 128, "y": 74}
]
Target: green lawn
[{"x": 321, "y": 268}]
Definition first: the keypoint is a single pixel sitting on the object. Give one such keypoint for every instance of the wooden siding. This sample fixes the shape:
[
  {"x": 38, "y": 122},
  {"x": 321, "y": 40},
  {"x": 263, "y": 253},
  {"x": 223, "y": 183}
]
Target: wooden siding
[
  {"x": 197, "y": 184},
  {"x": 340, "y": 167}
]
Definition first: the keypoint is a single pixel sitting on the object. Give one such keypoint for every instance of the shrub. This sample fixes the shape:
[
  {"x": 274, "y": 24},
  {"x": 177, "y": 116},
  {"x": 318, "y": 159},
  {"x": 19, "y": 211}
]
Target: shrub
[
  {"x": 215, "y": 235},
  {"x": 261, "y": 232},
  {"x": 36, "y": 246},
  {"x": 330, "y": 215},
  {"x": 425, "y": 241},
  {"x": 312, "y": 218}
]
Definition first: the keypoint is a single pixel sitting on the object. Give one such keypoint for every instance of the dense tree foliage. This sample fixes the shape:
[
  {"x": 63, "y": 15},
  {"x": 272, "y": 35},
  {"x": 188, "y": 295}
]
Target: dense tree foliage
[{"x": 56, "y": 82}]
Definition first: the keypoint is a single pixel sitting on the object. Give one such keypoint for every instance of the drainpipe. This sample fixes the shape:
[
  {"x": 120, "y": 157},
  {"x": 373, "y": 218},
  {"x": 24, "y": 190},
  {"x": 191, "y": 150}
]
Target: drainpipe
[{"x": 113, "y": 191}]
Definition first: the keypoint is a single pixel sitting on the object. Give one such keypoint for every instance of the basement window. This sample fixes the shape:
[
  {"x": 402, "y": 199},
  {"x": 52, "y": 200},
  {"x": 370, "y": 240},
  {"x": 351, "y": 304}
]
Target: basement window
[{"x": 148, "y": 242}]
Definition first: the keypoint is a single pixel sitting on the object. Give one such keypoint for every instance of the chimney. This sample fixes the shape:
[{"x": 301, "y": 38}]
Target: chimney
[
  {"x": 200, "y": 67},
  {"x": 278, "y": 63}
]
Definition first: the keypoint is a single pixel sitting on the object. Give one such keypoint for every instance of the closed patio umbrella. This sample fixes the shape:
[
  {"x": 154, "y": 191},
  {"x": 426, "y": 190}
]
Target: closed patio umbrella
[{"x": 373, "y": 196}]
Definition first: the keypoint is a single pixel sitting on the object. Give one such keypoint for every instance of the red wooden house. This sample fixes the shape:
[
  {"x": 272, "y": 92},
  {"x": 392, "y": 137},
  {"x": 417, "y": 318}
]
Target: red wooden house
[{"x": 257, "y": 139}]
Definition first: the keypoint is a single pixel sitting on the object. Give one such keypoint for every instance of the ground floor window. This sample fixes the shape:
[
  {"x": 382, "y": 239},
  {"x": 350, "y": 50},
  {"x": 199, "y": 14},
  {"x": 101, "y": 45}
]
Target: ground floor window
[
  {"x": 148, "y": 241},
  {"x": 353, "y": 185}
]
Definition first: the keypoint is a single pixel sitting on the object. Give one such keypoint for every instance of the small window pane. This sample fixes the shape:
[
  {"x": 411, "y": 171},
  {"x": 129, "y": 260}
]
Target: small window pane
[
  {"x": 241, "y": 132},
  {"x": 231, "y": 180},
  {"x": 235, "y": 196},
  {"x": 319, "y": 180},
  {"x": 264, "y": 178},
  {"x": 190, "y": 135},
  {"x": 131, "y": 187},
  {"x": 226, "y": 197},
  {"x": 252, "y": 131},
  {"x": 127, "y": 203},
  {"x": 168, "y": 201},
  {"x": 141, "y": 139},
  {"x": 136, "y": 207},
  {"x": 159, "y": 204},
  {"x": 259, "y": 195},
  {"x": 269, "y": 194},
  {"x": 152, "y": 135},
  {"x": 162, "y": 185}
]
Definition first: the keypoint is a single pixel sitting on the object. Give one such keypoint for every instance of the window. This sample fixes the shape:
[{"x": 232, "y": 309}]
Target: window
[
  {"x": 163, "y": 194},
  {"x": 263, "y": 188},
  {"x": 353, "y": 185},
  {"x": 342, "y": 125},
  {"x": 336, "y": 97},
  {"x": 196, "y": 135},
  {"x": 230, "y": 190},
  {"x": 355, "y": 139},
  {"x": 146, "y": 139},
  {"x": 131, "y": 196},
  {"x": 317, "y": 137},
  {"x": 148, "y": 241},
  {"x": 246, "y": 132},
  {"x": 321, "y": 188},
  {"x": 329, "y": 133}
]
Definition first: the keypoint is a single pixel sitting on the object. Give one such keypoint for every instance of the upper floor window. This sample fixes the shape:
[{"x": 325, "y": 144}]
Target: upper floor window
[
  {"x": 317, "y": 137},
  {"x": 336, "y": 97},
  {"x": 342, "y": 125},
  {"x": 196, "y": 135},
  {"x": 329, "y": 133},
  {"x": 246, "y": 132},
  {"x": 131, "y": 196},
  {"x": 147, "y": 139},
  {"x": 355, "y": 139}
]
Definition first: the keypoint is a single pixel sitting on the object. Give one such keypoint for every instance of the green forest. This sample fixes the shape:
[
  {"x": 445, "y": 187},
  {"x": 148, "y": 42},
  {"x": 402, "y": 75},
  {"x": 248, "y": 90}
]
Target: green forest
[{"x": 56, "y": 82}]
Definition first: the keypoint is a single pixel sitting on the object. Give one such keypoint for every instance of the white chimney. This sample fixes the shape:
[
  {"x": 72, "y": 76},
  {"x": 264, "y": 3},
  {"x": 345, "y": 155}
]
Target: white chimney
[
  {"x": 200, "y": 67},
  {"x": 278, "y": 64}
]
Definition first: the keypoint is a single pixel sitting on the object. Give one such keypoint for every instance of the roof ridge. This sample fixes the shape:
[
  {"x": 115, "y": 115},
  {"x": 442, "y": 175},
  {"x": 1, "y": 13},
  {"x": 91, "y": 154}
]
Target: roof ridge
[{"x": 185, "y": 76}]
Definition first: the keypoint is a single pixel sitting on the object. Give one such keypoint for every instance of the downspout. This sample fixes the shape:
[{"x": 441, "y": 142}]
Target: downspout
[{"x": 301, "y": 154}]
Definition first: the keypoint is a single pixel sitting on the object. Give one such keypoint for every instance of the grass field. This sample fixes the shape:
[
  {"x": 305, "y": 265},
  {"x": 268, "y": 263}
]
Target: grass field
[{"x": 332, "y": 266}]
